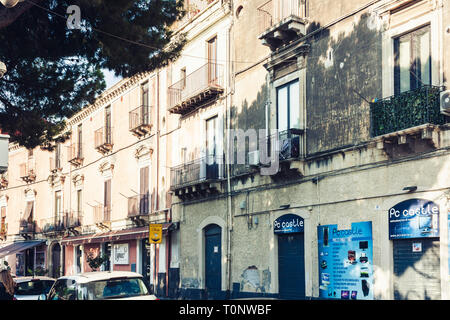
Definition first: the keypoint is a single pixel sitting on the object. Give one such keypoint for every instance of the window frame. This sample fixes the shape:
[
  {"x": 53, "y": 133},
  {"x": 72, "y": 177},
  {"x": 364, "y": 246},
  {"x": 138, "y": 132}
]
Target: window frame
[{"x": 288, "y": 100}]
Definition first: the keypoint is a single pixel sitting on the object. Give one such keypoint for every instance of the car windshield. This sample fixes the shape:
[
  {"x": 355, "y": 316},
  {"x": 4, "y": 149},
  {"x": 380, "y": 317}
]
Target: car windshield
[
  {"x": 33, "y": 287},
  {"x": 115, "y": 288}
]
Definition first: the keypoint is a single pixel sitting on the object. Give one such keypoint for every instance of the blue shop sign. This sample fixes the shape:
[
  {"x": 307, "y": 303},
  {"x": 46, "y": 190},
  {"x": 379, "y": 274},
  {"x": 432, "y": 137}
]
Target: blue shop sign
[
  {"x": 288, "y": 223},
  {"x": 414, "y": 218}
]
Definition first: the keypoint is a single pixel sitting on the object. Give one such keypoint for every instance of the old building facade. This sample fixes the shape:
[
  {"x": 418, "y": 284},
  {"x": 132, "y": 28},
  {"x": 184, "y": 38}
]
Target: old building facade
[{"x": 338, "y": 188}]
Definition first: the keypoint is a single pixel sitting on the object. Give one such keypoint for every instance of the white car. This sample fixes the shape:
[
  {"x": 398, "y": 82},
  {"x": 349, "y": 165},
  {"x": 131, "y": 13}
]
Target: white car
[
  {"x": 101, "y": 285},
  {"x": 30, "y": 288}
]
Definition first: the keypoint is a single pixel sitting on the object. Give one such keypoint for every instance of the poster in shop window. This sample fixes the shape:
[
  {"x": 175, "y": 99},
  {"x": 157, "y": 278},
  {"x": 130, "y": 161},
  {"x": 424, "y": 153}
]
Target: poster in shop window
[
  {"x": 121, "y": 253},
  {"x": 346, "y": 262}
]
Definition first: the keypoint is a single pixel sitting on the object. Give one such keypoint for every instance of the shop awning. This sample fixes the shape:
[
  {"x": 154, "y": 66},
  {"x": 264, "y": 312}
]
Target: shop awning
[
  {"x": 114, "y": 236},
  {"x": 18, "y": 247}
]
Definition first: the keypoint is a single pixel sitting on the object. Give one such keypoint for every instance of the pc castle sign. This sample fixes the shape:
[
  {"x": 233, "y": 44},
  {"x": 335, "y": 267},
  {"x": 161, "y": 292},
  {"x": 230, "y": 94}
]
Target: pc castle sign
[
  {"x": 414, "y": 218},
  {"x": 288, "y": 223}
]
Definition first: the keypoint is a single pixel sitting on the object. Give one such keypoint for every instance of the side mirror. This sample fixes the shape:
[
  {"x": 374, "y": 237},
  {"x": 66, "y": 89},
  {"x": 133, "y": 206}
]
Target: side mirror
[{"x": 42, "y": 297}]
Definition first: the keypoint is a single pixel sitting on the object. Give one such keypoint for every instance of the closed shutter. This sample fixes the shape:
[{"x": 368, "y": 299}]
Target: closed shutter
[
  {"x": 28, "y": 211},
  {"x": 417, "y": 274}
]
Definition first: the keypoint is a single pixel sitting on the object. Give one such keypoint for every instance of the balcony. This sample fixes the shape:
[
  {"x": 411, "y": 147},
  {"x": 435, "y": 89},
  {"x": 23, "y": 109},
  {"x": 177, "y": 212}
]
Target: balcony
[
  {"x": 140, "y": 121},
  {"x": 53, "y": 225},
  {"x": 196, "y": 89},
  {"x": 406, "y": 110},
  {"x": 139, "y": 208},
  {"x": 103, "y": 139},
  {"x": 27, "y": 172},
  {"x": 102, "y": 217},
  {"x": 197, "y": 178},
  {"x": 75, "y": 154},
  {"x": 280, "y": 22},
  {"x": 55, "y": 165},
  {"x": 73, "y": 221},
  {"x": 27, "y": 229}
]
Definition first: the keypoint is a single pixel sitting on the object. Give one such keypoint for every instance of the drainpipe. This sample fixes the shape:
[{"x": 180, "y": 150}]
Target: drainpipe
[{"x": 228, "y": 127}]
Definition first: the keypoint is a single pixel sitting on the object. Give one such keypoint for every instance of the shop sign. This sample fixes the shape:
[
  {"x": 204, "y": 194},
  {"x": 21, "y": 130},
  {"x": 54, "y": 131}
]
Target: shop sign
[
  {"x": 346, "y": 262},
  {"x": 120, "y": 253},
  {"x": 155, "y": 233},
  {"x": 414, "y": 218},
  {"x": 288, "y": 223}
]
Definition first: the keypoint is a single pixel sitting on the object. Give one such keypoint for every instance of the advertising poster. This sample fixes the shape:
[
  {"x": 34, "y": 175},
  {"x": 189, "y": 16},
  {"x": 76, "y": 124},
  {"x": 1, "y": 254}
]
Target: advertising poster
[
  {"x": 346, "y": 262},
  {"x": 414, "y": 218},
  {"x": 120, "y": 253}
]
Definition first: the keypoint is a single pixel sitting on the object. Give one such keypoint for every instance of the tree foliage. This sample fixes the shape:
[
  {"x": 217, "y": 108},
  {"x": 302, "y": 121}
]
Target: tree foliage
[{"x": 54, "y": 71}]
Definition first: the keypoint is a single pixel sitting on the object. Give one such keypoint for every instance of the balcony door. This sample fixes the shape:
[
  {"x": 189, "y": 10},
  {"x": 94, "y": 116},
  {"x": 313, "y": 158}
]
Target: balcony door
[
  {"x": 212, "y": 168},
  {"x": 212, "y": 61},
  {"x": 79, "y": 151},
  {"x": 107, "y": 131},
  {"x": 144, "y": 199},
  {"x": 107, "y": 201},
  {"x": 145, "y": 103},
  {"x": 58, "y": 208},
  {"x": 288, "y": 107},
  {"x": 412, "y": 65}
]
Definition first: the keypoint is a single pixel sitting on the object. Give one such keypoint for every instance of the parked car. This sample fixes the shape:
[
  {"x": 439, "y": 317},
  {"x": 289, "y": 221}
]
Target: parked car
[
  {"x": 102, "y": 285},
  {"x": 30, "y": 288}
]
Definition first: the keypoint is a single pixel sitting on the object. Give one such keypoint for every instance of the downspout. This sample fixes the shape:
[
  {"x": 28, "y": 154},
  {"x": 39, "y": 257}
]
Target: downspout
[{"x": 228, "y": 163}]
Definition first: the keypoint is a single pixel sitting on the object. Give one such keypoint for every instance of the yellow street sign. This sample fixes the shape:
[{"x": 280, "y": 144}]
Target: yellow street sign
[{"x": 155, "y": 235}]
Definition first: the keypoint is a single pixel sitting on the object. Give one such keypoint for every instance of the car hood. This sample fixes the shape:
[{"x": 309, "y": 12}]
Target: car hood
[{"x": 30, "y": 297}]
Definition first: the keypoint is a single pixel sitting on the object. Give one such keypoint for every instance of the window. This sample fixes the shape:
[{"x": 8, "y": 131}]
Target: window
[
  {"x": 108, "y": 138},
  {"x": 79, "y": 201},
  {"x": 412, "y": 65},
  {"x": 183, "y": 77},
  {"x": 288, "y": 106},
  {"x": 80, "y": 141},
  {"x": 212, "y": 60},
  {"x": 58, "y": 208},
  {"x": 3, "y": 221},
  {"x": 211, "y": 144},
  {"x": 58, "y": 156},
  {"x": 107, "y": 200},
  {"x": 144, "y": 203},
  {"x": 28, "y": 215}
]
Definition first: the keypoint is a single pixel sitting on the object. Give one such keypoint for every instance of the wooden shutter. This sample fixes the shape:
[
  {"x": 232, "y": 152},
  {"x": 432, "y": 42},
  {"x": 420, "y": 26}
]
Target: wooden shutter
[
  {"x": 107, "y": 200},
  {"x": 3, "y": 212}
]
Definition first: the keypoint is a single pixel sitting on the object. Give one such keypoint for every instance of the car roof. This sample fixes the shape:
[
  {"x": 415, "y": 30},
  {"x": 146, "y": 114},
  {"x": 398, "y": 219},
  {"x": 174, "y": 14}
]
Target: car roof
[
  {"x": 26, "y": 279},
  {"x": 101, "y": 275}
]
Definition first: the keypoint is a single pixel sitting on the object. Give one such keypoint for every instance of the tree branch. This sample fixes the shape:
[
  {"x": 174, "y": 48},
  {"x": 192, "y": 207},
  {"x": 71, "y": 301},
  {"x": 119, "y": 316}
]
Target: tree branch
[{"x": 8, "y": 16}]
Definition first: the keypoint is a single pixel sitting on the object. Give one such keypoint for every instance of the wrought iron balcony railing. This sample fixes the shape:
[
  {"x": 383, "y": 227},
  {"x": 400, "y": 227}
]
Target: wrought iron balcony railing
[
  {"x": 139, "y": 205},
  {"x": 140, "y": 120},
  {"x": 27, "y": 172},
  {"x": 73, "y": 219},
  {"x": 102, "y": 214},
  {"x": 196, "y": 88},
  {"x": 273, "y": 11},
  {"x": 54, "y": 224},
  {"x": 75, "y": 154},
  {"x": 406, "y": 110},
  {"x": 26, "y": 227},
  {"x": 103, "y": 139},
  {"x": 193, "y": 172}
]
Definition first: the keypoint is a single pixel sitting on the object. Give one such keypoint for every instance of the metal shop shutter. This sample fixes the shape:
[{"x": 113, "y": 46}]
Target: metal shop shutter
[{"x": 417, "y": 274}]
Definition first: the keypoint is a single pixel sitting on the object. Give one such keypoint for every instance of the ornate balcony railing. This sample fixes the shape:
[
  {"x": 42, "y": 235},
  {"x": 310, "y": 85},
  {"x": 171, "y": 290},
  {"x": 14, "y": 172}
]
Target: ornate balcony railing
[
  {"x": 27, "y": 171},
  {"x": 54, "y": 224},
  {"x": 75, "y": 154},
  {"x": 103, "y": 139},
  {"x": 73, "y": 219},
  {"x": 274, "y": 11},
  {"x": 26, "y": 227},
  {"x": 199, "y": 170},
  {"x": 406, "y": 110},
  {"x": 140, "y": 120},
  {"x": 139, "y": 205},
  {"x": 196, "y": 88},
  {"x": 102, "y": 214}
]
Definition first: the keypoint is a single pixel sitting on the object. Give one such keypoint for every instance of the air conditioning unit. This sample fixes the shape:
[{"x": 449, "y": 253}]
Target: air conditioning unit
[
  {"x": 445, "y": 102},
  {"x": 253, "y": 158},
  {"x": 290, "y": 148}
]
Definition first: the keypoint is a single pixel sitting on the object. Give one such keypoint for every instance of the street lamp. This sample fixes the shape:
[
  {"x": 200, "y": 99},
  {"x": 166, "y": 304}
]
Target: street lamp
[
  {"x": 2, "y": 69},
  {"x": 10, "y": 3}
]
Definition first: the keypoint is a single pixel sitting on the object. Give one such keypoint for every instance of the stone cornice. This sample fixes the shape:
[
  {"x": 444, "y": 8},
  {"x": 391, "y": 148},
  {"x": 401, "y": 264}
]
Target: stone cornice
[{"x": 107, "y": 96}]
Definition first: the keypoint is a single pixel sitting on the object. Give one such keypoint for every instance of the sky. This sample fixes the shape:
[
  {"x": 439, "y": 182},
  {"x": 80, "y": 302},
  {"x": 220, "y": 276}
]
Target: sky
[{"x": 110, "y": 78}]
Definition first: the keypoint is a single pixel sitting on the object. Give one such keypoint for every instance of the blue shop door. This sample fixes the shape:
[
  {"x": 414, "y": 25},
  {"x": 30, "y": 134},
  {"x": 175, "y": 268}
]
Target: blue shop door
[
  {"x": 291, "y": 266},
  {"x": 213, "y": 267}
]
